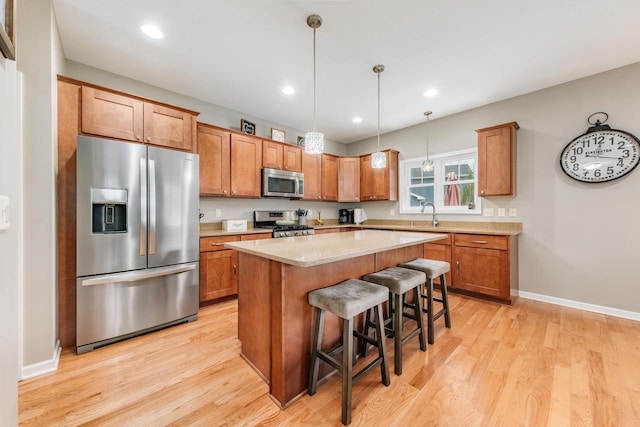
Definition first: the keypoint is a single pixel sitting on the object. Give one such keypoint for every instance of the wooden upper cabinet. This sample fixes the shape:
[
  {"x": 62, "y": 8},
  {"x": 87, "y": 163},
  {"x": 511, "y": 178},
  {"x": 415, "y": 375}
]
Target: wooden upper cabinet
[
  {"x": 312, "y": 170},
  {"x": 329, "y": 177},
  {"x": 379, "y": 184},
  {"x": 272, "y": 154},
  {"x": 114, "y": 115},
  {"x": 168, "y": 127},
  {"x": 276, "y": 155},
  {"x": 246, "y": 162},
  {"x": 214, "y": 148},
  {"x": 349, "y": 179},
  {"x": 497, "y": 160},
  {"x": 292, "y": 158}
]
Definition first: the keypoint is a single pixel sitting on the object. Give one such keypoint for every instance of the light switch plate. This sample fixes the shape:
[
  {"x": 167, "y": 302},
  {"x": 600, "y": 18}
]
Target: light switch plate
[
  {"x": 218, "y": 213},
  {"x": 501, "y": 212},
  {"x": 513, "y": 212},
  {"x": 4, "y": 213},
  {"x": 487, "y": 212}
]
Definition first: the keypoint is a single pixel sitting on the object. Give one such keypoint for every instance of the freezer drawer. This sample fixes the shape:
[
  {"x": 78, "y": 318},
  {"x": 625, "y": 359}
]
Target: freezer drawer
[{"x": 112, "y": 307}]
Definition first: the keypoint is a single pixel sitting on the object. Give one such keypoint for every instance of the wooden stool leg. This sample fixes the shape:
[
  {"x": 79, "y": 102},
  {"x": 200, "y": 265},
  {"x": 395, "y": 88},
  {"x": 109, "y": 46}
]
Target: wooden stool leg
[
  {"x": 364, "y": 345},
  {"x": 445, "y": 300},
  {"x": 315, "y": 348},
  {"x": 418, "y": 312},
  {"x": 397, "y": 333},
  {"x": 429, "y": 285},
  {"x": 382, "y": 347},
  {"x": 347, "y": 379}
]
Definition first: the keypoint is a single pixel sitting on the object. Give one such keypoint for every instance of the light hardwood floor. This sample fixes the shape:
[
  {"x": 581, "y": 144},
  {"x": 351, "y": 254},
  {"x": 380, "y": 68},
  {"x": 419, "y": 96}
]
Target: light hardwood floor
[{"x": 532, "y": 364}]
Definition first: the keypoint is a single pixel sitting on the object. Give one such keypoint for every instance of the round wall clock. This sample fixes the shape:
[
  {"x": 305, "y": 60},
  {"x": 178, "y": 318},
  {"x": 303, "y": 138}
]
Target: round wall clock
[{"x": 601, "y": 154}]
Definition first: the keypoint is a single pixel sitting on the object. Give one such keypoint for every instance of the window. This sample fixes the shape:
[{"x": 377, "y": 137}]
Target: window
[{"x": 451, "y": 186}]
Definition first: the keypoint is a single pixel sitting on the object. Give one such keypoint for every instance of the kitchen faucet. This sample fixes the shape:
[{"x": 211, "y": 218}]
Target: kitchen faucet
[{"x": 434, "y": 222}]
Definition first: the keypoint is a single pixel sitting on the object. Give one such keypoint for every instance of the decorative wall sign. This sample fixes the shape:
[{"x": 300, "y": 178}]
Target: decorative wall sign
[
  {"x": 247, "y": 127},
  {"x": 277, "y": 134},
  {"x": 7, "y": 30},
  {"x": 300, "y": 141},
  {"x": 601, "y": 154}
]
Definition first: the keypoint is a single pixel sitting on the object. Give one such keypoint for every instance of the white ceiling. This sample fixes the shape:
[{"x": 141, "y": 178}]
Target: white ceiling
[{"x": 239, "y": 54}]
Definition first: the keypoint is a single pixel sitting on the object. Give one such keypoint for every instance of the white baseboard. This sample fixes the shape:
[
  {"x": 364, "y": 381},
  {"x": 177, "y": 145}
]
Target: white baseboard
[
  {"x": 581, "y": 305},
  {"x": 43, "y": 367}
]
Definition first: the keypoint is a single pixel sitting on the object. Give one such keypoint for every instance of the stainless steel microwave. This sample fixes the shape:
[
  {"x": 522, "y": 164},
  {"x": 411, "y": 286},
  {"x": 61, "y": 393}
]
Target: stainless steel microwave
[{"x": 279, "y": 183}]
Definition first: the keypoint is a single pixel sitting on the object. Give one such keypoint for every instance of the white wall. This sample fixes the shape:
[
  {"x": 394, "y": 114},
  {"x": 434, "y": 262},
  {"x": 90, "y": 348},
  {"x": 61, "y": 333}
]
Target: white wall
[
  {"x": 10, "y": 241},
  {"x": 580, "y": 241}
]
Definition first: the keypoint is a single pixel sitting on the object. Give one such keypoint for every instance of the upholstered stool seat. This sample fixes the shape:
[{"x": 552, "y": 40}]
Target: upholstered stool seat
[
  {"x": 347, "y": 300},
  {"x": 433, "y": 269},
  {"x": 399, "y": 281}
]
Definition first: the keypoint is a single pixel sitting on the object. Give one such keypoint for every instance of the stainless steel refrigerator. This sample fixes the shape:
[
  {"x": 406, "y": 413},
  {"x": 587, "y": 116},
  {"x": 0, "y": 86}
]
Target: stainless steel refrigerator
[{"x": 137, "y": 240}]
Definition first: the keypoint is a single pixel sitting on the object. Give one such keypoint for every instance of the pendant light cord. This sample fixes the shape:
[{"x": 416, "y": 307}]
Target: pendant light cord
[
  {"x": 378, "y": 111},
  {"x": 314, "y": 80}
]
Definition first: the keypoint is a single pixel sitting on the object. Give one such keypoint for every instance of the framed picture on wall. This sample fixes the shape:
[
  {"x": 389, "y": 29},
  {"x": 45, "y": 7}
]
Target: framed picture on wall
[
  {"x": 7, "y": 30},
  {"x": 277, "y": 134},
  {"x": 300, "y": 141},
  {"x": 246, "y": 126}
]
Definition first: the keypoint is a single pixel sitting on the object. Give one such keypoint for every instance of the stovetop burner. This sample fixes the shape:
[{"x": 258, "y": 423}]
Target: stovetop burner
[{"x": 270, "y": 219}]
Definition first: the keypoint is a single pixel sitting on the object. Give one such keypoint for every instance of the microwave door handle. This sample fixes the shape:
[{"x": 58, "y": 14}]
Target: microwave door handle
[
  {"x": 143, "y": 207},
  {"x": 152, "y": 207}
]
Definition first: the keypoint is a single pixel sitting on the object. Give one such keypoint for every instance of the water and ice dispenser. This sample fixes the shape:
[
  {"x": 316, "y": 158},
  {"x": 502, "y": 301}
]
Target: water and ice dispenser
[{"x": 109, "y": 210}]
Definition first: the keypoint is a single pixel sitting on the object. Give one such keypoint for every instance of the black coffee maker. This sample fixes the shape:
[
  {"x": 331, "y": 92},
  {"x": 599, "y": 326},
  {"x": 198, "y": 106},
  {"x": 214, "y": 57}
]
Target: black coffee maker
[{"x": 345, "y": 216}]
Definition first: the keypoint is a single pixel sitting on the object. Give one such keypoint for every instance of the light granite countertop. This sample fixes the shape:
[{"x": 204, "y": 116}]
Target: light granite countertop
[
  {"x": 307, "y": 251},
  {"x": 470, "y": 227}
]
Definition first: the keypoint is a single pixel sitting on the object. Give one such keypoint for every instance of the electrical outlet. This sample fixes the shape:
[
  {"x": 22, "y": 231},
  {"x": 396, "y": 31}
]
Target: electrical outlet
[
  {"x": 501, "y": 212},
  {"x": 218, "y": 213},
  {"x": 513, "y": 212},
  {"x": 392, "y": 212},
  {"x": 309, "y": 213},
  {"x": 487, "y": 212}
]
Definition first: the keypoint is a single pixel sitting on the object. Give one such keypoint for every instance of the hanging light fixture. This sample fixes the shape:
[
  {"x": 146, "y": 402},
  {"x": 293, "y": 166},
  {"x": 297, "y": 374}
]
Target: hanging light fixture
[
  {"x": 427, "y": 165},
  {"x": 314, "y": 141},
  {"x": 378, "y": 159}
]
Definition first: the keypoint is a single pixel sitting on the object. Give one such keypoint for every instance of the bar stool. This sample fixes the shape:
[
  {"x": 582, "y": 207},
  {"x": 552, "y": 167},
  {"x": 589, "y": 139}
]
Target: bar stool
[
  {"x": 346, "y": 300},
  {"x": 432, "y": 269},
  {"x": 399, "y": 281}
]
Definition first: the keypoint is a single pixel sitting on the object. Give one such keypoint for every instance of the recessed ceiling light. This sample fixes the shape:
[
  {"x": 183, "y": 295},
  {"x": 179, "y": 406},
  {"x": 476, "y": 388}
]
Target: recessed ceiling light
[
  {"x": 357, "y": 120},
  {"x": 288, "y": 90},
  {"x": 431, "y": 92},
  {"x": 152, "y": 31}
]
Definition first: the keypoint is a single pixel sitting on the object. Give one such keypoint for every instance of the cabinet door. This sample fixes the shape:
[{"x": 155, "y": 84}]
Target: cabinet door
[
  {"x": 218, "y": 274},
  {"x": 312, "y": 170},
  {"x": 329, "y": 177},
  {"x": 272, "y": 154},
  {"x": 292, "y": 158},
  {"x": 246, "y": 161},
  {"x": 349, "y": 179},
  {"x": 114, "y": 116},
  {"x": 214, "y": 148},
  {"x": 374, "y": 183},
  {"x": 168, "y": 127},
  {"x": 497, "y": 160},
  {"x": 484, "y": 271},
  {"x": 439, "y": 253}
]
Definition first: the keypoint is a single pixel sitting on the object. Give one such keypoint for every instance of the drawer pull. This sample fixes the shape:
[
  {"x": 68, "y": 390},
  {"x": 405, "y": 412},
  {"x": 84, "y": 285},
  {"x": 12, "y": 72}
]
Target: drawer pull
[
  {"x": 483, "y": 242},
  {"x": 217, "y": 244},
  {"x": 458, "y": 268}
]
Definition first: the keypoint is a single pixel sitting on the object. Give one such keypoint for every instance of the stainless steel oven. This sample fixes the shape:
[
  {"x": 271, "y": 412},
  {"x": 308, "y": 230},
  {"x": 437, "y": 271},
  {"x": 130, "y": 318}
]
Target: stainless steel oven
[
  {"x": 279, "y": 183},
  {"x": 281, "y": 223}
]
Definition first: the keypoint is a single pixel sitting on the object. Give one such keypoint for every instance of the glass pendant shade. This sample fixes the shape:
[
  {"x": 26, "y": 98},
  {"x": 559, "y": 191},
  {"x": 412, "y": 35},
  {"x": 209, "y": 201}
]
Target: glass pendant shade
[
  {"x": 378, "y": 160},
  {"x": 427, "y": 166},
  {"x": 314, "y": 142}
]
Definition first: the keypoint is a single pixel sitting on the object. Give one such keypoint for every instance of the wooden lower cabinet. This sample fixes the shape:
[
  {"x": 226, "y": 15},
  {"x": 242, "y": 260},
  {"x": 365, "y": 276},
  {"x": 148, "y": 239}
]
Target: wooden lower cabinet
[
  {"x": 218, "y": 274},
  {"x": 486, "y": 265},
  {"x": 219, "y": 266},
  {"x": 440, "y": 250}
]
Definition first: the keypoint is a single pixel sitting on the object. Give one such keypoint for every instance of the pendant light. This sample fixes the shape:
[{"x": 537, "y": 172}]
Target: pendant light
[
  {"x": 378, "y": 159},
  {"x": 427, "y": 165},
  {"x": 314, "y": 141}
]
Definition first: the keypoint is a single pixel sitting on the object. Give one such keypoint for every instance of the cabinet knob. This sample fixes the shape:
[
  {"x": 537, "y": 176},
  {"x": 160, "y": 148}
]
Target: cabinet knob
[
  {"x": 481, "y": 191},
  {"x": 233, "y": 192},
  {"x": 138, "y": 137},
  {"x": 148, "y": 139}
]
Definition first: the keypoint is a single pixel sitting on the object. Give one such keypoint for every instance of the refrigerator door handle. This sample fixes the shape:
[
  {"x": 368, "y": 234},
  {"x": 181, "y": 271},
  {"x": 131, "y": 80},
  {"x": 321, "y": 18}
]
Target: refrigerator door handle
[
  {"x": 143, "y": 206},
  {"x": 136, "y": 276},
  {"x": 152, "y": 207}
]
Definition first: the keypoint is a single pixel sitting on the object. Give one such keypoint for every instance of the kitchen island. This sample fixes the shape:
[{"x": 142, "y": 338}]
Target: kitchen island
[{"x": 274, "y": 277}]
